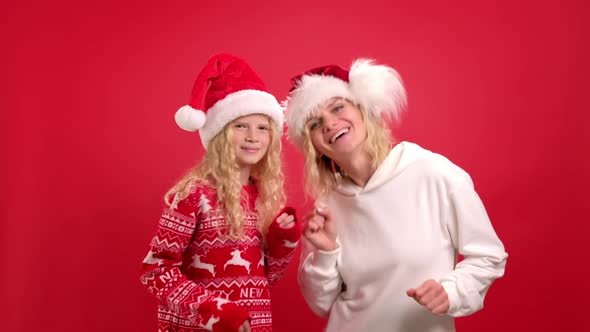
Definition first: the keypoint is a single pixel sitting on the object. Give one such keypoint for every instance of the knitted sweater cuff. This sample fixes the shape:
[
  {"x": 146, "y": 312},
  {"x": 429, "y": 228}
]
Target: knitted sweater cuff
[
  {"x": 281, "y": 241},
  {"x": 231, "y": 317}
]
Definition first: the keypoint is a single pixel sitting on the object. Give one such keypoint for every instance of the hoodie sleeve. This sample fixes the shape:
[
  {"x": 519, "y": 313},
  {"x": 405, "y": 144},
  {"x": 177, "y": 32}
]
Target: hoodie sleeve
[
  {"x": 161, "y": 274},
  {"x": 484, "y": 257},
  {"x": 281, "y": 246},
  {"x": 319, "y": 278}
]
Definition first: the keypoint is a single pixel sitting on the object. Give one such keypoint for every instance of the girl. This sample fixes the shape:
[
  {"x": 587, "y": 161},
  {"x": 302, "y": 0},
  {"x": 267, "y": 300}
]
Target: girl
[
  {"x": 382, "y": 246},
  {"x": 218, "y": 246}
]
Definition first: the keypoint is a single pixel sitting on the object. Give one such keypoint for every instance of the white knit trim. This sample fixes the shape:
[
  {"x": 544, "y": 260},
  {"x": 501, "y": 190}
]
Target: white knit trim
[{"x": 238, "y": 104}]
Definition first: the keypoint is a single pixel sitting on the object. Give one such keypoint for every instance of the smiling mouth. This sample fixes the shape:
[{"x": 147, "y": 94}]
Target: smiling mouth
[{"x": 339, "y": 134}]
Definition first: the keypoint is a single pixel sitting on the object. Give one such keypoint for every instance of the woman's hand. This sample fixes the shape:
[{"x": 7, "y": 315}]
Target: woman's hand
[
  {"x": 320, "y": 229},
  {"x": 245, "y": 327},
  {"x": 432, "y": 296}
]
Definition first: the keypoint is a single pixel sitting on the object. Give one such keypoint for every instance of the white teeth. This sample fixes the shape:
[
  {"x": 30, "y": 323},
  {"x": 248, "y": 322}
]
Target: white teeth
[{"x": 338, "y": 134}]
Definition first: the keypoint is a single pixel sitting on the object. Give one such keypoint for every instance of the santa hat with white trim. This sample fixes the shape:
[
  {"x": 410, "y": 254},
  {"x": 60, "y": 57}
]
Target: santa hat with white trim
[
  {"x": 377, "y": 88},
  {"x": 226, "y": 89}
]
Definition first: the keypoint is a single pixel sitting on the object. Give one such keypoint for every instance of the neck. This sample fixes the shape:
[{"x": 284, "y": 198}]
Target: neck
[
  {"x": 358, "y": 168},
  {"x": 244, "y": 175}
]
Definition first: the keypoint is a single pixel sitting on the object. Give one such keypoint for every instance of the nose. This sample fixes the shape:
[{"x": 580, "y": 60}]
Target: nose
[
  {"x": 329, "y": 123},
  {"x": 252, "y": 136}
]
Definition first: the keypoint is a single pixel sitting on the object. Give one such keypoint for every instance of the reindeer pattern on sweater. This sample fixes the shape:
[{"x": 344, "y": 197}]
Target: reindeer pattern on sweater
[{"x": 204, "y": 280}]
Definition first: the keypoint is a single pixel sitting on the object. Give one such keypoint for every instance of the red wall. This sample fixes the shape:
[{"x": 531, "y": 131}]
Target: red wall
[{"x": 89, "y": 145}]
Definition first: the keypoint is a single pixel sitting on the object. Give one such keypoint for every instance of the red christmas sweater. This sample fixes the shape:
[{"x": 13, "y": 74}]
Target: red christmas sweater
[{"x": 205, "y": 281}]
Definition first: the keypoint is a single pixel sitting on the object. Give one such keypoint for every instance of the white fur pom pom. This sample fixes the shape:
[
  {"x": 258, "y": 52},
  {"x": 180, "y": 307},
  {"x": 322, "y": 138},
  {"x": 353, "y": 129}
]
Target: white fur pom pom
[
  {"x": 189, "y": 118},
  {"x": 379, "y": 88}
]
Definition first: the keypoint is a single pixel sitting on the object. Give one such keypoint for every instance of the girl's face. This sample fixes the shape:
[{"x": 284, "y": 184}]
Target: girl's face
[
  {"x": 250, "y": 138},
  {"x": 337, "y": 130}
]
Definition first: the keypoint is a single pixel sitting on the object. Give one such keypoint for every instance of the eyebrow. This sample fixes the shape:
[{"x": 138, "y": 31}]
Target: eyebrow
[
  {"x": 333, "y": 102},
  {"x": 236, "y": 122},
  {"x": 330, "y": 105}
]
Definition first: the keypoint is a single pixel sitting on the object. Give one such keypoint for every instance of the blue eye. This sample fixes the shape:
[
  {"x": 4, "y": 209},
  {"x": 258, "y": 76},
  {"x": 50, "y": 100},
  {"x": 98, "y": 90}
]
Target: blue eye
[
  {"x": 338, "y": 108},
  {"x": 314, "y": 125}
]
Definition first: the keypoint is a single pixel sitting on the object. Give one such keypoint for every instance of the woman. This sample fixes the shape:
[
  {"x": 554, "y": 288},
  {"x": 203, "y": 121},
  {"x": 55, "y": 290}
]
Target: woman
[{"x": 381, "y": 249}]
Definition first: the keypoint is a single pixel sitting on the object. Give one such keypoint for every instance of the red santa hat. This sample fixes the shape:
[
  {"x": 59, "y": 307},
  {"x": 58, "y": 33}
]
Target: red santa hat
[
  {"x": 226, "y": 89},
  {"x": 377, "y": 88}
]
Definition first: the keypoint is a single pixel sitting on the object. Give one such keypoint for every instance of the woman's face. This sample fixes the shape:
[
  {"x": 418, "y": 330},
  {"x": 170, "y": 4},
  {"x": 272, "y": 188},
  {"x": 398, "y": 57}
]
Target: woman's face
[{"x": 337, "y": 130}]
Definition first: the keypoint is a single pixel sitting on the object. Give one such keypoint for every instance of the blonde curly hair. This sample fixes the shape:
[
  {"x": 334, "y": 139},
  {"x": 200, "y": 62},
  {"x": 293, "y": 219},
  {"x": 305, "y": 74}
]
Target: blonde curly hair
[
  {"x": 220, "y": 169},
  {"x": 322, "y": 175}
]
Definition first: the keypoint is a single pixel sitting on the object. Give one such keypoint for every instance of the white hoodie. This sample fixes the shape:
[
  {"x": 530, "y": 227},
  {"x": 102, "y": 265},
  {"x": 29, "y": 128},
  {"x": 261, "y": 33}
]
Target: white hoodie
[{"x": 406, "y": 225}]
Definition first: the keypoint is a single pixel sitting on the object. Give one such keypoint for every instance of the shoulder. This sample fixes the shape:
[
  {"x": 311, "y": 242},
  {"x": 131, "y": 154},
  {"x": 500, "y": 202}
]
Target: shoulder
[
  {"x": 434, "y": 165},
  {"x": 201, "y": 190},
  {"x": 194, "y": 193}
]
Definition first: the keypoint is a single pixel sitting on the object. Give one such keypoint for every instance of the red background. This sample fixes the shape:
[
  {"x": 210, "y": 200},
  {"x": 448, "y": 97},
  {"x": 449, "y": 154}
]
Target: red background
[{"x": 89, "y": 145}]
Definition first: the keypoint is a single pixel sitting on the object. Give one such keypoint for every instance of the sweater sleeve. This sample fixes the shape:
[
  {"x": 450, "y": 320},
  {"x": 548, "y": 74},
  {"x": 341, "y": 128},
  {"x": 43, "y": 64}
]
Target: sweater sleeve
[
  {"x": 162, "y": 276},
  {"x": 319, "y": 278},
  {"x": 281, "y": 244},
  {"x": 484, "y": 257}
]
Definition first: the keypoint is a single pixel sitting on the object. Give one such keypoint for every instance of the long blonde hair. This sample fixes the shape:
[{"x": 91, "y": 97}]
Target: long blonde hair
[
  {"x": 220, "y": 169},
  {"x": 322, "y": 175}
]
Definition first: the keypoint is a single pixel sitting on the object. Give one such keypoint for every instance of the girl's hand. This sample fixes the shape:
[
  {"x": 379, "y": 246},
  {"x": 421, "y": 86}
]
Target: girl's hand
[
  {"x": 245, "y": 327},
  {"x": 320, "y": 229},
  {"x": 432, "y": 296},
  {"x": 286, "y": 221}
]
